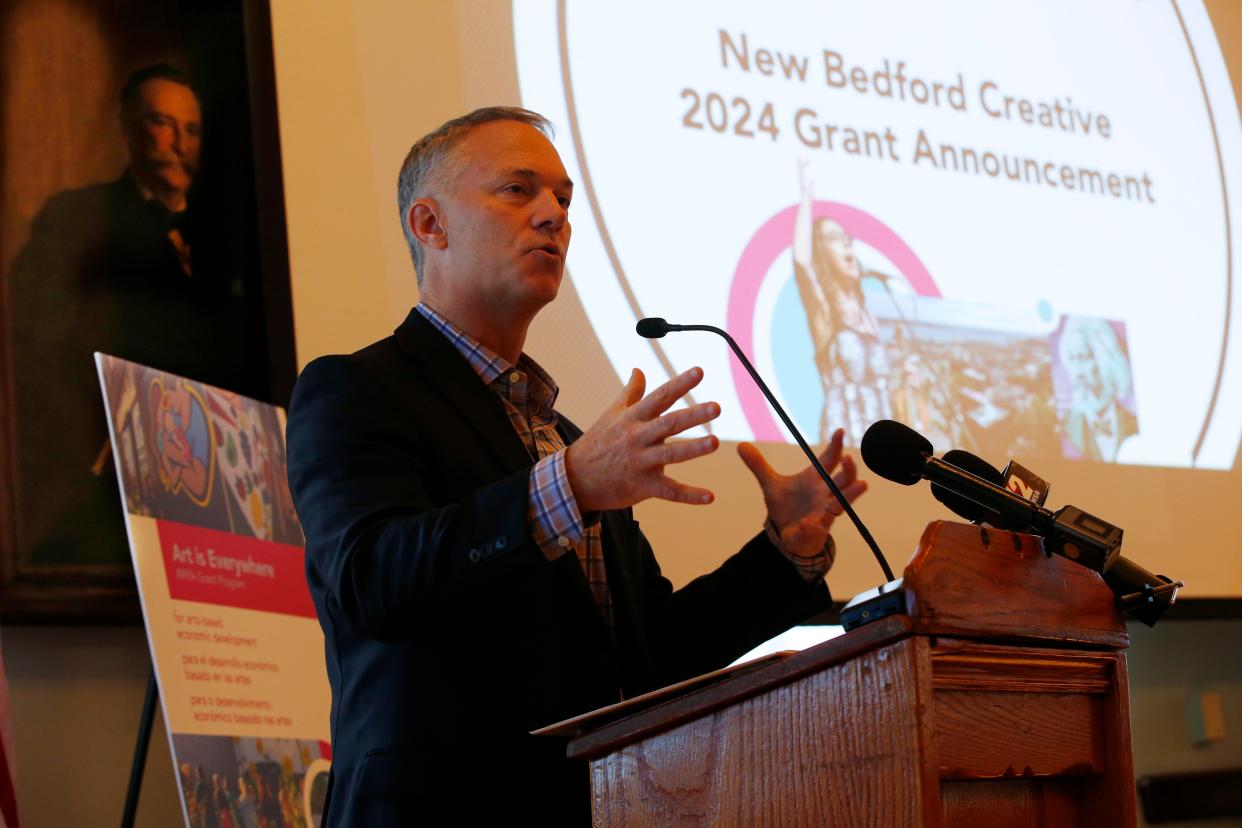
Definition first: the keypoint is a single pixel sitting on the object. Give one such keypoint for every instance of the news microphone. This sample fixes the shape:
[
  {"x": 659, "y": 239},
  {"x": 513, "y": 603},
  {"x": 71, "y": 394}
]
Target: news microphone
[
  {"x": 962, "y": 506},
  {"x": 1139, "y": 593},
  {"x": 654, "y": 327},
  {"x": 1022, "y": 481},
  {"x": 898, "y": 453}
]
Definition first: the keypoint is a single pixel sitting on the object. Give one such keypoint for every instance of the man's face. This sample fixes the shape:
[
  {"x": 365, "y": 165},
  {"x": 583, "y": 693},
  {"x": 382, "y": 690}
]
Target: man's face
[
  {"x": 504, "y": 205},
  {"x": 163, "y": 133},
  {"x": 837, "y": 247}
]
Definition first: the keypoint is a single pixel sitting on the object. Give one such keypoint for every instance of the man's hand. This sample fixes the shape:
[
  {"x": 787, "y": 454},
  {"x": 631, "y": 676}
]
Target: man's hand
[
  {"x": 800, "y": 505},
  {"x": 620, "y": 460}
]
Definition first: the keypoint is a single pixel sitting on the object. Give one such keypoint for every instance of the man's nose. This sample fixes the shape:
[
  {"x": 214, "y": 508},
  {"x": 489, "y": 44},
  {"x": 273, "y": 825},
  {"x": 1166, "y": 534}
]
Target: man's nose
[{"x": 549, "y": 212}]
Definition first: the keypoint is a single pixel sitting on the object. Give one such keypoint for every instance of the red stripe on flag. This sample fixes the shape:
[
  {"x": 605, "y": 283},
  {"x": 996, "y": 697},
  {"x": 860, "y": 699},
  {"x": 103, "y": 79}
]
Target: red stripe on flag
[
  {"x": 216, "y": 567},
  {"x": 8, "y": 796}
]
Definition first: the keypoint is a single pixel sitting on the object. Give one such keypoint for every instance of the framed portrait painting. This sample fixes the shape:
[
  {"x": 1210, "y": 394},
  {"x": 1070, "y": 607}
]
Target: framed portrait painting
[{"x": 142, "y": 216}]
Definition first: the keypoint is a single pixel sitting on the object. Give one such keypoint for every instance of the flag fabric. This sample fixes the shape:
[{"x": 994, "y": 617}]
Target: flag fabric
[{"x": 8, "y": 794}]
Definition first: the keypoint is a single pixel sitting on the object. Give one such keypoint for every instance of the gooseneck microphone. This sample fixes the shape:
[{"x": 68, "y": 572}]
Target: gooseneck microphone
[{"x": 655, "y": 328}]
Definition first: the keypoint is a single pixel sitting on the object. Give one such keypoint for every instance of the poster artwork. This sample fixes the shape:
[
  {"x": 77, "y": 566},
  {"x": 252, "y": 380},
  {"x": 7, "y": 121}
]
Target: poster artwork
[{"x": 219, "y": 558}]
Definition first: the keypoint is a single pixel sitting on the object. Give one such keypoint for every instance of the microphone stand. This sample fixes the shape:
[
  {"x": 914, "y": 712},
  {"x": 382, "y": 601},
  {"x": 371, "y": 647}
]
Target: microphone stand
[{"x": 832, "y": 486}]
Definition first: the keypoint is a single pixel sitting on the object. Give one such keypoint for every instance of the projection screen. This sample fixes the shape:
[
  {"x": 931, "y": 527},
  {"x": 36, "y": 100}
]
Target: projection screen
[{"x": 1010, "y": 227}]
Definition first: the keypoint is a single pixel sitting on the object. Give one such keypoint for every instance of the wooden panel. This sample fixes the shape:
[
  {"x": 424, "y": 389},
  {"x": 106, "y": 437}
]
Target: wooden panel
[
  {"x": 983, "y": 735},
  {"x": 1013, "y": 803},
  {"x": 987, "y": 583},
  {"x": 848, "y": 745},
  {"x": 996, "y": 670},
  {"x": 649, "y": 721},
  {"x": 1111, "y": 799}
]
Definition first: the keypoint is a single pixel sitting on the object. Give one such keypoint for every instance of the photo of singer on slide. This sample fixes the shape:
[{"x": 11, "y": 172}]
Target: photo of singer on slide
[
  {"x": 852, "y": 364},
  {"x": 472, "y": 555}
]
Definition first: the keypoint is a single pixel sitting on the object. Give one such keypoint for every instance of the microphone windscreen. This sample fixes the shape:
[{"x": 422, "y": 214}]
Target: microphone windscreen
[
  {"x": 653, "y": 327},
  {"x": 895, "y": 452},
  {"x": 961, "y": 506}
]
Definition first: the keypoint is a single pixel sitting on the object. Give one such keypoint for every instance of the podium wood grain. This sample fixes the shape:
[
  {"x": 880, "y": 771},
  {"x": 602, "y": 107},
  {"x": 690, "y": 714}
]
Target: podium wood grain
[{"x": 1000, "y": 700}]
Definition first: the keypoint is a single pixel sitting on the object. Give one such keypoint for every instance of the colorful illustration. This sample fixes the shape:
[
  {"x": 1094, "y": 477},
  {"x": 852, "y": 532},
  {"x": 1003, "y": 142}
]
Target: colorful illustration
[
  {"x": 221, "y": 569},
  {"x": 181, "y": 440},
  {"x": 200, "y": 455},
  {"x": 244, "y": 458},
  {"x": 251, "y": 782}
]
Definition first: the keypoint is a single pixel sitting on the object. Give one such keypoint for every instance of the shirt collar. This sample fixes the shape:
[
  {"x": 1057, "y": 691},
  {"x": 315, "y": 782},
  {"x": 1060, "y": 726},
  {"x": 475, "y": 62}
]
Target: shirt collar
[{"x": 491, "y": 366}]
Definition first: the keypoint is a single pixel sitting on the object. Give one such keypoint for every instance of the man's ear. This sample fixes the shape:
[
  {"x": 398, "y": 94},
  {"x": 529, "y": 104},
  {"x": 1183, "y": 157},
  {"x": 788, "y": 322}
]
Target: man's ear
[{"x": 425, "y": 222}]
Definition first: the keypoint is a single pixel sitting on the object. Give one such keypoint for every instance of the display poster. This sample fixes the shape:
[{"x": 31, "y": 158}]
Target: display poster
[{"x": 219, "y": 558}]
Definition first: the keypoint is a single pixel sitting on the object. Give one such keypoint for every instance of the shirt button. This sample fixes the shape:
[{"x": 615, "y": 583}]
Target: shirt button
[
  {"x": 501, "y": 542},
  {"x": 474, "y": 556},
  {"x": 516, "y": 376},
  {"x": 563, "y": 542}
]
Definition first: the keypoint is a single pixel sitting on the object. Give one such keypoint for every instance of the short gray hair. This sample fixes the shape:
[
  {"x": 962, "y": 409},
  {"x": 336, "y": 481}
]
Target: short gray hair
[{"x": 425, "y": 164}]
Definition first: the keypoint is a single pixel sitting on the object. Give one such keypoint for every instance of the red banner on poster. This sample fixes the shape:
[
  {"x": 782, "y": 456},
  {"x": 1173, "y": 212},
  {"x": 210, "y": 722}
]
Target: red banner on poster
[{"x": 215, "y": 567}]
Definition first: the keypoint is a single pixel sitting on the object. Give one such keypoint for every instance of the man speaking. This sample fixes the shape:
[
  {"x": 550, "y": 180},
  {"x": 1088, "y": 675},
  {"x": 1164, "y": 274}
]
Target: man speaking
[{"x": 472, "y": 555}]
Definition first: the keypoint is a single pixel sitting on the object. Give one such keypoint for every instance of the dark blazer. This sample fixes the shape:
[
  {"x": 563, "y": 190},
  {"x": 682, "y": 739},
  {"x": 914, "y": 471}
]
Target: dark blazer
[
  {"x": 99, "y": 274},
  {"x": 449, "y": 635}
]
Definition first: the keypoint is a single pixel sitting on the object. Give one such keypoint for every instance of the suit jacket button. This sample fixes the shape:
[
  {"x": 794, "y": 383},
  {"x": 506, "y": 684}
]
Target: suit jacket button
[
  {"x": 501, "y": 542},
  {"x": 474, "y": 556}
]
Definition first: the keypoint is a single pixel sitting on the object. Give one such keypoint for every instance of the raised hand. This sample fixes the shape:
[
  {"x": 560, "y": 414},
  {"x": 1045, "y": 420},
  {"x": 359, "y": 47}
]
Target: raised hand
[
  {"x": 620, "y": 460},
  {"x": 805, "y": 185},
  {"x": 800, "y": 505}
]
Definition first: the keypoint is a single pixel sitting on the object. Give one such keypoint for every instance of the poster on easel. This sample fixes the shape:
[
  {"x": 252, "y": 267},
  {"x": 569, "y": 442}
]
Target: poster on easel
[{"x": 219, "y": 558}]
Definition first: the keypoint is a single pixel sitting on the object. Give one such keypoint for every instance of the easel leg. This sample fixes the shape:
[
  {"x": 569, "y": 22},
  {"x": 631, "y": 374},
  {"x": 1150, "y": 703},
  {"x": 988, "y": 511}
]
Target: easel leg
[{"x": 140, "y": 752}]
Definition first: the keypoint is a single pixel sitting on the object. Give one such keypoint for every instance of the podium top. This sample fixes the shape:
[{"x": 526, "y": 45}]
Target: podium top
[{"x": 991, "y": 584}]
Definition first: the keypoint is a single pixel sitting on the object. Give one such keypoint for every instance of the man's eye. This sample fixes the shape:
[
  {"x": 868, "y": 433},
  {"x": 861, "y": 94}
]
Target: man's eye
[
  {"x": 515, "y": 188},
  {"x": 564, "y": 200}
]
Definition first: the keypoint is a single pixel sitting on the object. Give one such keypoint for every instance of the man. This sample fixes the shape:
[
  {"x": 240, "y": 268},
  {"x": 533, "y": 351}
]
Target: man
[
  {"x": 115, "y": 268},
  {"x": 853, "y": 368},
  {"x": 474, "y": 578}
]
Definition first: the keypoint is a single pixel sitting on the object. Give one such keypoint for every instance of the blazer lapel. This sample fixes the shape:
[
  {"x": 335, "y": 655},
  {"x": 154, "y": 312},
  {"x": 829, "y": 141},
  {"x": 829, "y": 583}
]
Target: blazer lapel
[{"x": 451, "y": 375}]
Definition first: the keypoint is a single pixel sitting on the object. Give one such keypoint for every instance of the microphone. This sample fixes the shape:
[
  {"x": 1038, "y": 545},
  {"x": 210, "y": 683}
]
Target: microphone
[
  {"x": 653, "y": 327},
  {"x": 878, "y": 274},
  {"x": 1023, "y": 481},
  {"x": 964, "y": 507},
  {"x": 899, "y": 453},
  {"x": 1139, "y": 593}
]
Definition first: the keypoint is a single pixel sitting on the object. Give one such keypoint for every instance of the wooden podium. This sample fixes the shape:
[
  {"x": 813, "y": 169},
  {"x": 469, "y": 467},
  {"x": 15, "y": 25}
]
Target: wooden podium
[{"x": 999, "y": 699}]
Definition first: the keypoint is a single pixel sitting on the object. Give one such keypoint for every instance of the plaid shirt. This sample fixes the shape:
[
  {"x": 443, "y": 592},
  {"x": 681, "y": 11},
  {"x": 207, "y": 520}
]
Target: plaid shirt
[
  {"x": 528, "y": 394},
  {"x": 556, "y": 524}
]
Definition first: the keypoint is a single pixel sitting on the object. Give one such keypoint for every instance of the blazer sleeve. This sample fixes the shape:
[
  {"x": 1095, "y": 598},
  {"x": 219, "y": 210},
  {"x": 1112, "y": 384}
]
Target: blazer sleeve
[
  {"x": 716, "y": 618},
  {"x": 379, "y": 545},
  {"x": 711, "y": 621}
]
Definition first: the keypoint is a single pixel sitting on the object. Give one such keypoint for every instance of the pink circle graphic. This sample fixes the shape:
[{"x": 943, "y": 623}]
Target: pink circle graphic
[{"x": 773, "y": 239}]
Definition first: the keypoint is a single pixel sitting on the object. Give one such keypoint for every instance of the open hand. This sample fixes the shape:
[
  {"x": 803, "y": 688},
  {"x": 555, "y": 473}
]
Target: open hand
[
  {"x": 800, "y": 505},
  {"x": 620, "y": 460}
]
